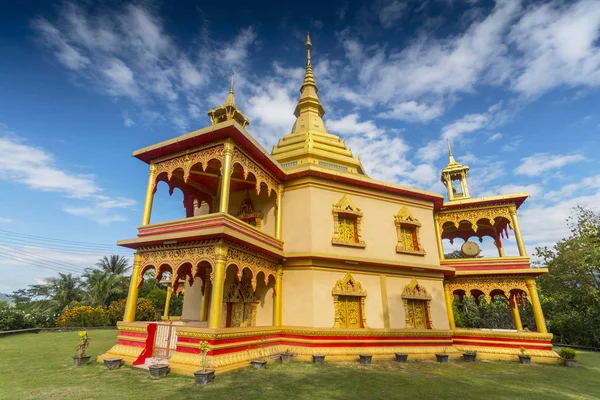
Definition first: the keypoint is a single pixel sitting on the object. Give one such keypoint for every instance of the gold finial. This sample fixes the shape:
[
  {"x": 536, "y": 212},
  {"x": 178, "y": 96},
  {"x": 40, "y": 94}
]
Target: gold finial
[
  {"x": 230, "y": 100},
  {"x": 308, "y": 46},
  {"x": 450, "y": 156}
]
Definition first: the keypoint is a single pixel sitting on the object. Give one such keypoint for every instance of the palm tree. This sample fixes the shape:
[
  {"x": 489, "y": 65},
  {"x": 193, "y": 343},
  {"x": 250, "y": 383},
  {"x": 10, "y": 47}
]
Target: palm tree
[
  {"x": 63, "y": 291},
  {"x": 113, "y": 264}
]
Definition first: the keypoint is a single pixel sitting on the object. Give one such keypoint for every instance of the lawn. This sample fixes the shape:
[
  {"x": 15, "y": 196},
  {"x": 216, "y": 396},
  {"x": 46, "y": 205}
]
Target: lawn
[{"x": 39, "y": 367}]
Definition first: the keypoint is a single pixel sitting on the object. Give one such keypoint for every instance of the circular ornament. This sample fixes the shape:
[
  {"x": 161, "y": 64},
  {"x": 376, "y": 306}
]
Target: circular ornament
[{"x": 470, "y": 249}]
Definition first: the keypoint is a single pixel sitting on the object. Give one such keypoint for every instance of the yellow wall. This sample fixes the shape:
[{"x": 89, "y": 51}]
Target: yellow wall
[
  {"x": 308, "y": 225},
  {"x": 262, "y": 204},
  {"x": 307, "y": 298},
  {"x": 264, "y": 310},
  {"x": 192, "y": 301}
]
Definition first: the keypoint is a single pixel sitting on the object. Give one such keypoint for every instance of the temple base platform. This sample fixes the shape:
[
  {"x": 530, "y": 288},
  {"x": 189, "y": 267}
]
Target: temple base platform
[{"x": 233, "y": 348}]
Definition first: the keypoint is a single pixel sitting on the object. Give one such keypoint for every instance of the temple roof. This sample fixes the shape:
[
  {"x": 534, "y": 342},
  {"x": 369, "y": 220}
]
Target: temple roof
[
  {"x": 228, "y": 111},
  {"x": 453, "y": 167},
  {"x": 310, "y": 142}
]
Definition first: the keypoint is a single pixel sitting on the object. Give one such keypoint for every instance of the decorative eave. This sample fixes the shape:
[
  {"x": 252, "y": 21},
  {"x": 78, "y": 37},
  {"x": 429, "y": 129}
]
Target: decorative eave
[
  {"x": 517, "y": 199},
  {"x": 366, "y": 182},
  {"x": 222, "y": 130}
]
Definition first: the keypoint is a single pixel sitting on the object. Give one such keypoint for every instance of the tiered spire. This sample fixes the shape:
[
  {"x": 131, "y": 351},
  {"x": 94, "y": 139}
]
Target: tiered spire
[
  {"x": 455, "y": 172},
  {"x": 228, "y": 111},
  {"x": 310, "y": 142}
]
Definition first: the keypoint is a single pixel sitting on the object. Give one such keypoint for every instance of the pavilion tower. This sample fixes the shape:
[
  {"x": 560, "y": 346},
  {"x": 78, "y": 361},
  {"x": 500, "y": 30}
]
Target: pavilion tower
[
  {"x": 455, "y": 173},
  {"x": 310, "y": 143},
  {"x": 228, "y": 111}
]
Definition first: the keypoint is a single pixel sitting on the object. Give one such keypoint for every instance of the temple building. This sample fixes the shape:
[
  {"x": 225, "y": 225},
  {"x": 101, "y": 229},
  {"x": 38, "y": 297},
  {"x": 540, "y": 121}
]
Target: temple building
[{"x": 299, "y": 249}]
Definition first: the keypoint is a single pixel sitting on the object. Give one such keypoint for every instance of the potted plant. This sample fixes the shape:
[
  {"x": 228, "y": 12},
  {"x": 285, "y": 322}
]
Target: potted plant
[
  {"x": 568, "y": 356},
  {"x": 442, "y": 357},
  {"x": 204, "y": 376},
  {"x": 81, "y": 358},
  {"x": 318, "y": 358},
  {"x": 113, "y": 363},
  {"x": 365, "y": 359},
  {"x": 470, "y": 356},
  {"x": 401, "y": 357},
  {"x": 524, "y": 358},
  {"x": 286, "y": 356},
  {"x": 261, "y": 361},
  {"x": 158, "y": 369}
]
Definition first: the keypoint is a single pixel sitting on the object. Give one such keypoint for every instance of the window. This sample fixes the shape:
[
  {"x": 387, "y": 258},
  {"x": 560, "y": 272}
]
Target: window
[
  {"x": 347, "y": 224},
  {"x": 417, "y": 306},
  {"x": 407, "y": 229},
  {"x": 349, "y": 303}
]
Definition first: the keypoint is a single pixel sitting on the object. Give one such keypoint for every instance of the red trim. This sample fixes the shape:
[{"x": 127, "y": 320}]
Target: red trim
[
  {"x": 149, "y": 346},
  {"x": 508, "y": 340},
  {"x": 437, "y": 201},
  {"x": 133, "y": 334},
  {"x": 454, "y": 206},
  {"x": 130, "y": 343}
]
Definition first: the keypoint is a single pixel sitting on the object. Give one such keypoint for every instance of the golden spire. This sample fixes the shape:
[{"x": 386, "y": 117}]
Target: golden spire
[
  {"x": 450, "y": 156},
  {"x": 230, "y": 101},
  {"x": 455, "y": 172},
  {"x": 310, "y": 142},
  {"x": 228, "y": 111}
]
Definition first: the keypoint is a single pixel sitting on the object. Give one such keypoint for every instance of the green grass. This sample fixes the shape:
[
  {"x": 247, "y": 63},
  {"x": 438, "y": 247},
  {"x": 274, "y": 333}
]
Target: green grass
[{"x": 40, "y": 367}]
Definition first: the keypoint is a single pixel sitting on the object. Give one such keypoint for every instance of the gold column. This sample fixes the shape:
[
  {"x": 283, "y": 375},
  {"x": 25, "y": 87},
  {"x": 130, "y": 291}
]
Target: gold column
[
  {"x": 438, "y": 238},
  {"x": 538, "y": 314},
  {"x": 168, "y": 301},
  {"x": 449, "y": 309},
  {"x": 277, "y": 310},
  {"x": 498, "y": 245},
  {"x": 449, "y": 187},
  {"x": 149, "y": 195},
  {"x": 216, "y": 295},
  {"x": 517, "y": 317},
  {"x": 465, "y": 186},
  {"x": 278, "y": 223},
  {"x": 132, "y": 295},
  {"x": 226, "y": 176},
  {"x": 517, "y": 229},
  {"x": 205, "y": 299}
]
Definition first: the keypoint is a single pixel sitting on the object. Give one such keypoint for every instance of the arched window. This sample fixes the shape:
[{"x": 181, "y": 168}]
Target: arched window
[
  {"x": 407, "y": 229},
  {"x": 347, "y": 220},
  {"x": 417, "y": 306},
  {"x": 349, "y": 303}
]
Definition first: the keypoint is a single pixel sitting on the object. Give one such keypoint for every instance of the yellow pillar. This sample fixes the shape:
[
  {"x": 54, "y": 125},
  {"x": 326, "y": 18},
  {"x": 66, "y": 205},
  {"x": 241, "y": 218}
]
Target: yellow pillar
[
  {"x": 205, "y": 299},
  {"x": 499, "y": 247},
  {"x": 277, "y": 310},
  {"x": 517, "y": 317},
  {"x": 449, "y": 187},
  {"x": 517, "y": 230},
  {"x": 149, "y": 195},
  {"x": 216, "y": 295},
  {"x": 226, "y": 177},
  {"x": 465, "y": 186},
  {"x": 132, "y": 295},
  {"x": 538, "y": 314},
  {"x": 278, "y": 223},
  {"x": 438, "y": 238},
  {"x": 449, "y": 300},
  {"x": 168, "y": 301}
]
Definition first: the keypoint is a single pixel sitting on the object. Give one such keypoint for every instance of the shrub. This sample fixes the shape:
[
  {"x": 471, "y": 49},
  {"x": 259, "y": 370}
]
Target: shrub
[
  {"x": 145, "y": 310},
  {"x": 83, "y": 316},
  {"x": 13, "y": 319},
  {"x": 567, "y": 353}
]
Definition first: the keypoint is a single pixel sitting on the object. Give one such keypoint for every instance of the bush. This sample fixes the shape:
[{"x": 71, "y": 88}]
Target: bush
[
  {"x": 13, "y": 319},
  {"x": 83, "y": 316},
  {"x": 567, "y": 353},
  {"x": 145, "y": 310}
]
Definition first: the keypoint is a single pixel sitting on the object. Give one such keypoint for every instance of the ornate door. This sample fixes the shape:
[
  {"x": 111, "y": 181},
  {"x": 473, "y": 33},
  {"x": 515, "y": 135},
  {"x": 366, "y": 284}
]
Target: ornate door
[
  {"x": 416, "y": 314},
  {"x": 240, "y": 314},
  {"x": 349, "y": 311}
]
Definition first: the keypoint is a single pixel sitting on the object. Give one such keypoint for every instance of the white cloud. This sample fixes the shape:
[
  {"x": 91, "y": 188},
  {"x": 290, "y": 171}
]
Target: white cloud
[
  {"x": 5, "y": 220},
  {"x": 539, "y": 163},
  {"x": 533, "y": 190},
  {"x": 349, "y": 126},
  {"x": 390, "y": 11},
  {"x": 413, "y": 111},
  {"x": 128, "y": 122},
  {"x": 559, "y": 46},
  {"x": 237, "y": 52},
  {"x": 36, "y": 168},
  {"x": 494, "y": 137},
  {"x": 98, "y": 215}
]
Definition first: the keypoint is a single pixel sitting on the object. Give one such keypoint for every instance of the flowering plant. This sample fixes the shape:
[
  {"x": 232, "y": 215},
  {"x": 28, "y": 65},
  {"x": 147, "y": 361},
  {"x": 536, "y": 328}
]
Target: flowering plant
[
  {"x": 204, "y": 348},
  {"x": 84, "y": 342}
]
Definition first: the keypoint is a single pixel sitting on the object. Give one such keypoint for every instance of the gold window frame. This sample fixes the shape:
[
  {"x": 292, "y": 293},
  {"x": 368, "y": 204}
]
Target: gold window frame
[
  {"x": 346, "y": 208},
  {"x": 348, "y": 286},
  {"x": 405, "y": 220},
  {"x": 414, "y": 291}
]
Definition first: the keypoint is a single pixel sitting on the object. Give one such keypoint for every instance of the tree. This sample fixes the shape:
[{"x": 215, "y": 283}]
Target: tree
[
  {"x": 107, "y": 282},
  {"x": 570, "y": 293},
  {"x": 113, "y": 264},
  {"x": 455, "y": 254}
]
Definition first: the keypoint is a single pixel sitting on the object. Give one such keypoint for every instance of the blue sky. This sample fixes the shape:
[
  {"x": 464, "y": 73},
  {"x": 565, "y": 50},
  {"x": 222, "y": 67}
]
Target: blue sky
[{"x": 513, "y": 85}]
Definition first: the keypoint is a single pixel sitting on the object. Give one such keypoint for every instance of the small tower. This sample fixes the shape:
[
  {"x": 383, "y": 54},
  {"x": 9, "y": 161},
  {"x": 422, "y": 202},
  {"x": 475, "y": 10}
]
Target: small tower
[
  {"x": 228, "y": 111},
  {"x": 452, "y": 173}
]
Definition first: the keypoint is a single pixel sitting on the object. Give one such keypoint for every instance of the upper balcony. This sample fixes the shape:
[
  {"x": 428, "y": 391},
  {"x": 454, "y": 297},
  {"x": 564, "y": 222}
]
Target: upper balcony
[{"x": 209, "y": 226}]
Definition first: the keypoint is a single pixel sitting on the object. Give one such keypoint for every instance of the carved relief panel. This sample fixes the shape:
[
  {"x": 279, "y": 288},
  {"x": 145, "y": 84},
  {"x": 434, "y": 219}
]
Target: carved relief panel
[
  {"x": 407, "y": 230},
  {"x": 347, "y": 220}
]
